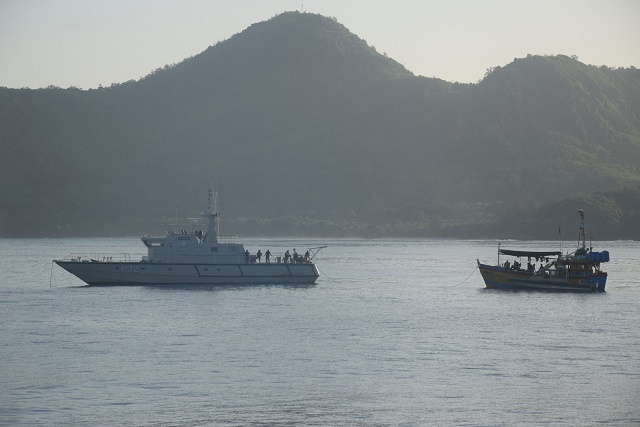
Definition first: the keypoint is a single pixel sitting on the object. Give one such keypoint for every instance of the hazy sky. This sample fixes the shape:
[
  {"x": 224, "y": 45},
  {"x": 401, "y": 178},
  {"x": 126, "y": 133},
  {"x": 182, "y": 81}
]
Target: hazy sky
[{"x": 86, "y": 43}]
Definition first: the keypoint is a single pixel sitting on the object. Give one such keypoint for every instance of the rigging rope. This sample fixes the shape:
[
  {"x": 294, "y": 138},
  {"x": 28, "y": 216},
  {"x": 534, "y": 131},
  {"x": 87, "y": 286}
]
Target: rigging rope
[
  {"x": 466, "y": 278},
  {"x": 324, "y": 275},
  {"x": 51, "y": 274}
]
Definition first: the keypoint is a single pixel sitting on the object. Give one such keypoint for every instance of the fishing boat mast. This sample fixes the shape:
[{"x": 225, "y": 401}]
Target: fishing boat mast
[{"x": 581, "y": 234}]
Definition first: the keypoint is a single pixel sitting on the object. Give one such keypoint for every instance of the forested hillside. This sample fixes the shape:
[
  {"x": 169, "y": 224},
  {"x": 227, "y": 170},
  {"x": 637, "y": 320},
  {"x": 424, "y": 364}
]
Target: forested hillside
[{"x": 306, "y": 129}]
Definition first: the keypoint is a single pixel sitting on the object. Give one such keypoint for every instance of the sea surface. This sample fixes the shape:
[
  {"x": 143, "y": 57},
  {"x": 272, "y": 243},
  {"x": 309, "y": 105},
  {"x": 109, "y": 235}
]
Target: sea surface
[{"x": 394, "y": 333}]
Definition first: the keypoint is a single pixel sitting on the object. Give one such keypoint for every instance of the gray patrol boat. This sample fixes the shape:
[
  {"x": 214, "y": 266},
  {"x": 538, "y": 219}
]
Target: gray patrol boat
[{"x": 191, "y": 258}]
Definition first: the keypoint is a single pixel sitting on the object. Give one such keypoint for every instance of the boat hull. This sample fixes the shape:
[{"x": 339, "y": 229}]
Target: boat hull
[
  {"x": 502, "y": 278},
  {"x": 140, "y": 273}
]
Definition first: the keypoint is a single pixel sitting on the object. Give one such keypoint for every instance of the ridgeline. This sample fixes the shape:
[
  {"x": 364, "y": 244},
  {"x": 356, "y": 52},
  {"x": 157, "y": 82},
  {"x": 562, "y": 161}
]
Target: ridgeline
[{"x": 307, "y": 130}]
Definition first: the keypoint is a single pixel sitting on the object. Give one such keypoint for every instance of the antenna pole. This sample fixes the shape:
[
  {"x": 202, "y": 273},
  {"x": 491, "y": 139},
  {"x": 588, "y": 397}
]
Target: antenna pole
[
  {"x": 215, "y": 206},
  {"x": 176, "y": 205},
  {"x": 581, "y": 235},
  {"x": 213, "y": 211},
  {"x": 562, "y": 244}
]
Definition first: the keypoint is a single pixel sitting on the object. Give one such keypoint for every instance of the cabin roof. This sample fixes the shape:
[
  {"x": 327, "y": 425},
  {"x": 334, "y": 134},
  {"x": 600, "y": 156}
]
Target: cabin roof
[{"x": 530, "y": 253}]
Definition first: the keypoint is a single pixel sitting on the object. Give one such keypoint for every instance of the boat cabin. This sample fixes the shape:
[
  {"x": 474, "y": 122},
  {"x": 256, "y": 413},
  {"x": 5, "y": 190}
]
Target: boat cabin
[
  {"x": 195, "y": 247},
  {"x": 189, "y": 248}
]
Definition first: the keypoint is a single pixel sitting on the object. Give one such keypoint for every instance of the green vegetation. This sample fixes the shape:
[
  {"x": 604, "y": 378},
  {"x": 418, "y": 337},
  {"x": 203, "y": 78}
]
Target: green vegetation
[{"x": 307, "y": 130}]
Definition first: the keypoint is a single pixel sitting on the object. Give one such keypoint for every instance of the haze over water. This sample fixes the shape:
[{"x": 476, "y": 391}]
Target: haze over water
[{"x": 395, "y": 332}]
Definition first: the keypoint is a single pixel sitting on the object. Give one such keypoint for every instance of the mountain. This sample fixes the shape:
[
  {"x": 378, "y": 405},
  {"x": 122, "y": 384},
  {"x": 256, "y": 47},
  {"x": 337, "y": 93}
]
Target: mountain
[
  {"x": 567, "y": 124},
  {"x": 305, "y": 129}
]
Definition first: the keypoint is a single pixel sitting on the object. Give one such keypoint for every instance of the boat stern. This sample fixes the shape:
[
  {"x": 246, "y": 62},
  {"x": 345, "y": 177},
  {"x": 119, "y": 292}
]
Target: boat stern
[{"x": 600, "y": 280}]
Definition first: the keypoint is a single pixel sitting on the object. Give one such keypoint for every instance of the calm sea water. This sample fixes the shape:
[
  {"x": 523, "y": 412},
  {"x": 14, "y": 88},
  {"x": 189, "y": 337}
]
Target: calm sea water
[{"x": 393, "y": 333}]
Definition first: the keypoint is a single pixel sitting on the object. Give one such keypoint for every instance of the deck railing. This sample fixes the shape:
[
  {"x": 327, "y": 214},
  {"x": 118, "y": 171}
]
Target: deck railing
[
  {"x": 228, "y": 239},
  {"x": 103, "y": 257}
]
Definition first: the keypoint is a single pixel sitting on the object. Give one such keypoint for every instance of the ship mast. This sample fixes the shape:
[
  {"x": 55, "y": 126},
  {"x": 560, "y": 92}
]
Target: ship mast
[
  {"x": 212, "y": 216},
  {"x": 581, "y": 234}
]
